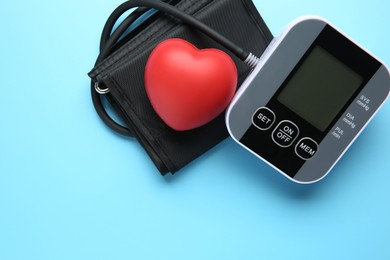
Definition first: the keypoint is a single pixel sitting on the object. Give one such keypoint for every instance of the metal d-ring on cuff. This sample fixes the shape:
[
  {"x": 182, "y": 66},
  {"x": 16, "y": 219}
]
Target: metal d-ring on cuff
[{"x": 101, "y": 91}]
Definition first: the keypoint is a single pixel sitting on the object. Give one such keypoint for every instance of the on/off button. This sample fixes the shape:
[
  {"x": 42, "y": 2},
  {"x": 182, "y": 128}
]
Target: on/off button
[{"x": 285, "y": 133}]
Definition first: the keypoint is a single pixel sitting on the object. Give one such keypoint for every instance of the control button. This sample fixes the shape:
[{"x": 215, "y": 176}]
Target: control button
[
  {"x": 306, "y": 148},
  {"x": 263, "y": 118},
  {"x": 285, "y": 133}
]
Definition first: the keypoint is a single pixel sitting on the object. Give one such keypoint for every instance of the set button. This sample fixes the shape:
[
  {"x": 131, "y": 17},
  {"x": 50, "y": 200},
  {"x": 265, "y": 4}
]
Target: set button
[
  {"x": 306, "y": 148},
  {"x": 263, "y": 118},
  {"x": 285, "y": 133}
]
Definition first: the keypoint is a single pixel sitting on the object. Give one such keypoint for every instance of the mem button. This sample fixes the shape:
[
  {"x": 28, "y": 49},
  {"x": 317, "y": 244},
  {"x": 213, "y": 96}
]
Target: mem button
[
  {"x": 306, "y": 148},
  {"x": 263, "y": 118},
  {"x": 285, "y": 133}
]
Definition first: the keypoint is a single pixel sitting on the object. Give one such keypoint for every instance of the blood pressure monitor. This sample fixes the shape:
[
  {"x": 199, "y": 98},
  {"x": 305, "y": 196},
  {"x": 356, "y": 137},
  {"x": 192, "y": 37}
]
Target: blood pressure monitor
[{"x": 310, "y": 96}]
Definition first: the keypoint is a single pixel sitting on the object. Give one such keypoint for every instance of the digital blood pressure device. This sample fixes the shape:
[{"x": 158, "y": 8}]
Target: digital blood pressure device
[{"x": 312, "y": 93}]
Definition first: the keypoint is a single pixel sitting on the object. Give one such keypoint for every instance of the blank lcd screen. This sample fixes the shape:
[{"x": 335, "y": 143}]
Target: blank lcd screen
[{"x": 320, "y": 88}]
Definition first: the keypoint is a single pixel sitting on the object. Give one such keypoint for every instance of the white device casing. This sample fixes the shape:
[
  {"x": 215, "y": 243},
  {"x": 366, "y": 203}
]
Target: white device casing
[{"x": 237, "y": 119}]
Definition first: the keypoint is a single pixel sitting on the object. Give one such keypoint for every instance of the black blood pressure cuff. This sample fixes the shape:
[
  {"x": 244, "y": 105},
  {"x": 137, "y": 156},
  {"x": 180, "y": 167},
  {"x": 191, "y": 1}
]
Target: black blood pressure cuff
[{"x": 123, "y": 73}]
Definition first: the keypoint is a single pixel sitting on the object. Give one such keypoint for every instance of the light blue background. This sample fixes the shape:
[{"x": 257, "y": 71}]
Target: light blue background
[{"x": 71, "y": 189}]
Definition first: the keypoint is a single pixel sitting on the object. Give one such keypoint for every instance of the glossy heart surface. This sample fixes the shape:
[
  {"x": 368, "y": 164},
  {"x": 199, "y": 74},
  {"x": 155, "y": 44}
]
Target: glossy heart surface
[{"x": 189, "y": 87}]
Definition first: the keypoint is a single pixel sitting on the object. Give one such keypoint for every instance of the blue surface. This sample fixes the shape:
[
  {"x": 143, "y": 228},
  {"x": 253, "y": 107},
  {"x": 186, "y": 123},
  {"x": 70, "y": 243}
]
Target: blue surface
[{"x": 71, "y": 189}]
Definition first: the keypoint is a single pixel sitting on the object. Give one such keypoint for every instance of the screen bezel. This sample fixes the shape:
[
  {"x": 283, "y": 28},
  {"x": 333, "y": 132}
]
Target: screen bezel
[{"x": 346, "y": 52}]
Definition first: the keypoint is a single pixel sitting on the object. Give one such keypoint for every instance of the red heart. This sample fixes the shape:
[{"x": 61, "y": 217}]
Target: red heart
[{"x": 188, "y": 87}]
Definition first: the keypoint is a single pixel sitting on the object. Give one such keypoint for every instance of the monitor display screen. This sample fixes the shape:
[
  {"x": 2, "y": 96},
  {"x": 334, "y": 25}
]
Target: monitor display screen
[{"x": 320, "y": 88}]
